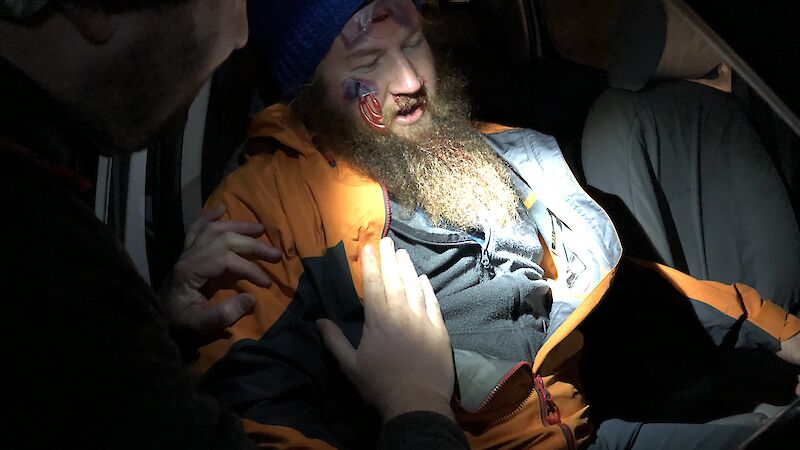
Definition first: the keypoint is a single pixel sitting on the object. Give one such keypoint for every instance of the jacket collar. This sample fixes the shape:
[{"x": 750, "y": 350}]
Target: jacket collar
[
  {"x": 278, "y": 124},
  {"x": 34, "y": 125}
]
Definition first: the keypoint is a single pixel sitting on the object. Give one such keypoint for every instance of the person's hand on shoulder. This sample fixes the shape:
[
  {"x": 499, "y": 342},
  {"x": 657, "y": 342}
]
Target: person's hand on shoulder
[
  {"x": 790, "y": 352},
  {"x": 404, "y": 362},
  {"x": 211, "y": 249}
]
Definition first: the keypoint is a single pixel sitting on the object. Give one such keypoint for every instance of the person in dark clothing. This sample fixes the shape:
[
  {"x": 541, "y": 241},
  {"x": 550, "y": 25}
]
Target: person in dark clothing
[{"x": 90, "y": 362}]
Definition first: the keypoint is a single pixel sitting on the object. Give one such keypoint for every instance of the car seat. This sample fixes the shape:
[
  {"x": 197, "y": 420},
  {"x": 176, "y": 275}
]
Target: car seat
[{"x": 687, "y": 163}]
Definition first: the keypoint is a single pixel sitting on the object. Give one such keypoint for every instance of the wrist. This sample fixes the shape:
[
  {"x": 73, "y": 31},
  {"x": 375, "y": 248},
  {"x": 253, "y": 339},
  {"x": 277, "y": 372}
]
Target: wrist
[
  {"x": 417, "y": 402},
  {"x": 790, "y": 350}
]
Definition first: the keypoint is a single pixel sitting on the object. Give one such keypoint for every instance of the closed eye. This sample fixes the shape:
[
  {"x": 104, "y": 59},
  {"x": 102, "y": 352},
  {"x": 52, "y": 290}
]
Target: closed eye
[
  {"x": 413, "y": 44},
  {"x": 368, "y": 66}
]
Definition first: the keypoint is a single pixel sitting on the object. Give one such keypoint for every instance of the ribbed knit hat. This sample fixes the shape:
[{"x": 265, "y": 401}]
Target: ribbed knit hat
[{"x": 295, "y": 35}]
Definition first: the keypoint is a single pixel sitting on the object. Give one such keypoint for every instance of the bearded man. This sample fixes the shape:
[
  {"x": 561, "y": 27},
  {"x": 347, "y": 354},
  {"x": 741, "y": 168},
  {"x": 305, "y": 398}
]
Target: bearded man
[{"x": 376, "y": 142}]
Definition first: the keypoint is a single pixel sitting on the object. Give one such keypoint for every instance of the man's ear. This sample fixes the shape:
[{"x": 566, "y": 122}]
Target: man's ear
[{"x": 96, "y": 25}]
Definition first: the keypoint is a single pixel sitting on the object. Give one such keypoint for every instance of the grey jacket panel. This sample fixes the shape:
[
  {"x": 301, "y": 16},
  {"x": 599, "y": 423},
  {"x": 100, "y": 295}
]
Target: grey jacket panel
[
  {"x": 689, "y": 166},
  {"x": 579, "y": 234},
  {"x": 492, "y": 303}
]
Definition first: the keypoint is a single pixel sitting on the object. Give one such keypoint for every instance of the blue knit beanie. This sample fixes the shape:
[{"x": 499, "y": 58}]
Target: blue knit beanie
[{"x": 295, "y": 35}]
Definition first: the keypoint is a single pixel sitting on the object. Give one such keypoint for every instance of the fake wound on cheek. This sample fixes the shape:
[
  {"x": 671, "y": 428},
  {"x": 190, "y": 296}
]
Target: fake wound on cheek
[
  {"x": 369, "y": 106},
  {"x": 355, "y": 89}
]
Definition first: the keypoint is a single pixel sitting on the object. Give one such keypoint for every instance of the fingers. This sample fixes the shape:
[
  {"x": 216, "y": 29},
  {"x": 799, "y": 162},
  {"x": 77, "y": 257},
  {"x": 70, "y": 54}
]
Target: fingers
[
  {"x": 392, "y": 283},
  {"x": 372, "y": 282},
  {"x": 208, "y": 228},
  {"x": 338, "y": 344},
  {"x": 431, "y": 303},
  {"x": 234, "y": 226},
  {"x": 213, "y": 247},
  {"x": 210, "y": 321},
  {"x": 215, "y": 213},
  {"x": 245, "y": 245},
  {"x": 240, "y": 237},
  {"x": 197, "y": 227},
  {"x": 411, "y": 285},
  {"x": 229, "y": 312},
  {"x": 249, "y": 270}
]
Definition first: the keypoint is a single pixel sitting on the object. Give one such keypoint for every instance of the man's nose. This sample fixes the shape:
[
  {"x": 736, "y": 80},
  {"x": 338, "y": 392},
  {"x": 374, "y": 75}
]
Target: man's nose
[{"x": 406, "y": 80}]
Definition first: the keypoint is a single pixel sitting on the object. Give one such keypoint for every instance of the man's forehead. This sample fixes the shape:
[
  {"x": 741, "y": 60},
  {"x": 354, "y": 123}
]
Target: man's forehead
[{"x": 380, "y": 19}]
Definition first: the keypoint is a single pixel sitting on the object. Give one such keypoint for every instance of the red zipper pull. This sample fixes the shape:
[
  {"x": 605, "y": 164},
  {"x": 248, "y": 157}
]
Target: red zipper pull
[{"x": 549, "y": 410}]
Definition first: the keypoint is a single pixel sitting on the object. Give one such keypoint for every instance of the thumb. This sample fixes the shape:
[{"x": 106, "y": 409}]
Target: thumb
[
  {"x": 230, "y": 311},
  {"x": 338, "y": 344},
  {"x": 212, "y": 320}
]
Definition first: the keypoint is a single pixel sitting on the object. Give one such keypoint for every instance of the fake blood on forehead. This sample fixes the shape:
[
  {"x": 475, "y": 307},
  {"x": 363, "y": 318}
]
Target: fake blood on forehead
[{"x": 379, "y": 19}]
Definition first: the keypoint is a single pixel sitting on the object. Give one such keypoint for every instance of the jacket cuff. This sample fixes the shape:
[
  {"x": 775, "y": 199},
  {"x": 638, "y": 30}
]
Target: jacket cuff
[{"x": 767, "y": 315}]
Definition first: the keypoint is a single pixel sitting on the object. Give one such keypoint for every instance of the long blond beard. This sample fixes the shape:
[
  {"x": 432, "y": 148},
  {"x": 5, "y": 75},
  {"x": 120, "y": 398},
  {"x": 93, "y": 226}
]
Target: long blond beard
[
  {"x": 447, "y": 168},
  {"x": 455, "y": 178}
]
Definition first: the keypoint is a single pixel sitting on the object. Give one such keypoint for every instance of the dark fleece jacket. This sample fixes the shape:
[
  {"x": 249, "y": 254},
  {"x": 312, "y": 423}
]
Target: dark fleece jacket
[{"x": 88, "y": 360}]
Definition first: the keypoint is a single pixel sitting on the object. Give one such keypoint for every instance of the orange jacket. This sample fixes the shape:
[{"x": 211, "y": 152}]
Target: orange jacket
[{"x": 273, "y": 370}]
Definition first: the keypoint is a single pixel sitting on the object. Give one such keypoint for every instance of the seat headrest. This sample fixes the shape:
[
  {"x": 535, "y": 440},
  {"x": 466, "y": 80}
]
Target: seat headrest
[{"x": 655, "y": 41}]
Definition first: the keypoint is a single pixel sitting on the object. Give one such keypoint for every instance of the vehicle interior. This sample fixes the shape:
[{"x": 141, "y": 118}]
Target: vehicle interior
[{"x": 539, "y": 64}]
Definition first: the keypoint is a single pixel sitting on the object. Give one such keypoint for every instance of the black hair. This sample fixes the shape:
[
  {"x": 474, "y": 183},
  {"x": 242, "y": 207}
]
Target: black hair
[{"x": 31, "y": 11}]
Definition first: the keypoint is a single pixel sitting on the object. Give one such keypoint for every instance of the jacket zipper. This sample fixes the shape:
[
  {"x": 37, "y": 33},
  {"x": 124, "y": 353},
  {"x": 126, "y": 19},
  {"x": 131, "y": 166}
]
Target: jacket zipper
[
  {"x": 549, "y": 412},
  {"x": 388, "y": 209},
  {"x": 496, "y": 389},
  {"x": 485, "y": 261},
  {"x": 553, "y": 230},
  {"x": 508, "y": 416},
  {"x": 547, "y": 407}
]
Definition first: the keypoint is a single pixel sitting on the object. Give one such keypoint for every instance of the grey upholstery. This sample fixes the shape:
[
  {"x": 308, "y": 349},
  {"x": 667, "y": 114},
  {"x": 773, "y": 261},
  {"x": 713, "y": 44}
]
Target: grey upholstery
[{"x": 690, "y": 168}]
